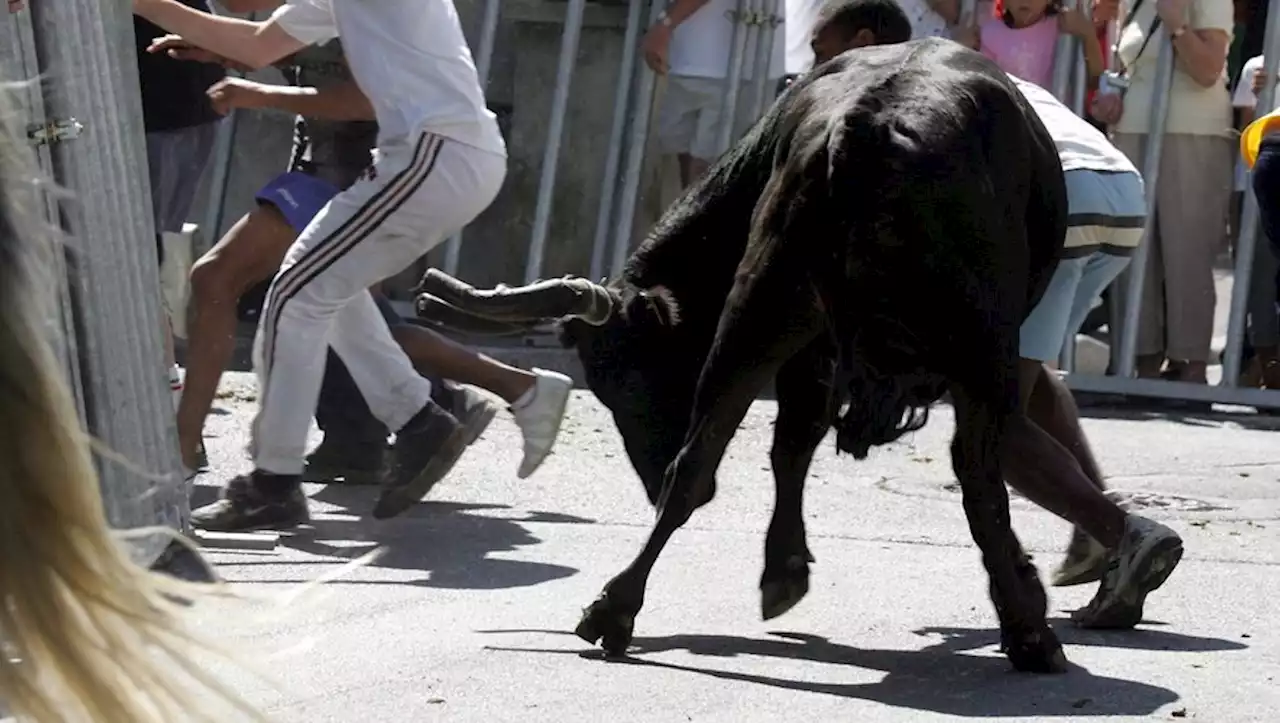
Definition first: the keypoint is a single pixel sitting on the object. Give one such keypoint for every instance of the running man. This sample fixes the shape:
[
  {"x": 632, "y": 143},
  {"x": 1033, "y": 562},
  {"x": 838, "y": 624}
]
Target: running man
[
  {"x": 1048, "y": 458},
  {"x": 332, "y": 147},
  {"x": 439, "y": 162}
]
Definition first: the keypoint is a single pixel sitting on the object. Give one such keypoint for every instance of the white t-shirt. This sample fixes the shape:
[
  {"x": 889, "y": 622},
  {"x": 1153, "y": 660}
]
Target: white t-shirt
[
  {"x": 1193, "y": 108},
  {"x": 410, "y": 58},
  {"x": 1080, "y": 145},
  {"x": 702, "y": 44},
  {"x": 801, "y": 16}
]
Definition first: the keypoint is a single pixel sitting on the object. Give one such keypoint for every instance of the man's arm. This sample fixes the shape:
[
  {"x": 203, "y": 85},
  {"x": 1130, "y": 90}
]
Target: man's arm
[
  {"x": 342, "y": 102},
  {"x": 256, "y": 44}
]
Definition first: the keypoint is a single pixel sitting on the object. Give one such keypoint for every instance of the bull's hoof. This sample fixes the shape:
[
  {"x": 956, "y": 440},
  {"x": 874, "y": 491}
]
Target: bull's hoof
[
  {"x": 780, "y": 593},
  {"x": 1034, "y": 651},
  {"x": 612, "y": 629}
]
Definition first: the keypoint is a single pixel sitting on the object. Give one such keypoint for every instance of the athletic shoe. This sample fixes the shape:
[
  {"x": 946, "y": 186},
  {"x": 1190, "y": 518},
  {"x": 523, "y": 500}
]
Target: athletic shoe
[
  {"x": 1148, "y": 553},
  {"x": 333, "y": 462},
  {"x": 539, "y": 413},
  {"x": 1086, "y": 561},
  {"x": 256, "y": 501},
  {"x": 426, "y": 449}
]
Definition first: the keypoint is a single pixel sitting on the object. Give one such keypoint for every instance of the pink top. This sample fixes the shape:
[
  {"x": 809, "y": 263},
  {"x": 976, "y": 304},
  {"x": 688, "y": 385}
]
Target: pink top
[{"x": 1024, "y": 52}]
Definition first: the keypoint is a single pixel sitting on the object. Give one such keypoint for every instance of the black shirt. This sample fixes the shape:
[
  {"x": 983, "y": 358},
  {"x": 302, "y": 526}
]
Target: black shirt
[{"x": 173, "y": 91}]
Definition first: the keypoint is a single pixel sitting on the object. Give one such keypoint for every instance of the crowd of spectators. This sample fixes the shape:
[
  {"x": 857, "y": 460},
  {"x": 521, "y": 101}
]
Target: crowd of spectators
[{"x": 1201, "y": 180}]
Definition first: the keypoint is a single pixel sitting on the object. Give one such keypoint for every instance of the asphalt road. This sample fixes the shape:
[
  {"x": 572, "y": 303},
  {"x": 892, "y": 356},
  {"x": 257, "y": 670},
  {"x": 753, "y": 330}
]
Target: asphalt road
[{"x": 468, "y": 614}]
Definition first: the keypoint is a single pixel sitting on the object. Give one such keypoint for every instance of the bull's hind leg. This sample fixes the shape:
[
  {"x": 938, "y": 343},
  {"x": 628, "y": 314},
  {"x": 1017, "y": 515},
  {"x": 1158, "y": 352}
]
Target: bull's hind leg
[
  {"x": 806, "y": 406},
  {"x": 1016, "y": 591},
  {"x": 772, "y": 312}
]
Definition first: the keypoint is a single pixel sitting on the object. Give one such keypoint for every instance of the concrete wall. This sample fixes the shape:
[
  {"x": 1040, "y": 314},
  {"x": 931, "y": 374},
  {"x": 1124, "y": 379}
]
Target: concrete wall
[{"x": 520, "y": 90}]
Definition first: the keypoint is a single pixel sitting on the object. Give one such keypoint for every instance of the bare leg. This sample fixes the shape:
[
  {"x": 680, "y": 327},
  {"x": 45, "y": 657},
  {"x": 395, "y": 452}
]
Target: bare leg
[
  {"x": 691, "y": 169},
  {"x": 1053, "y": 408},
  {"x": 451, "y": 360},
  {"x": 250, "y": 252},
  {"x": 1043, "y": 470}
]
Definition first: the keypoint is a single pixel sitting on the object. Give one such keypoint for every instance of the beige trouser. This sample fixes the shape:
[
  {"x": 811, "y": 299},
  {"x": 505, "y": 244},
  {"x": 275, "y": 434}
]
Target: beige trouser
[{"x": 1193, "y": 192}]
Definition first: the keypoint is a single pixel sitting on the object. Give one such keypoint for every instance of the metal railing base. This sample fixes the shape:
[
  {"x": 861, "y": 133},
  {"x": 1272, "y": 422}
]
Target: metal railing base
[{"x": 1164, "y": 389}]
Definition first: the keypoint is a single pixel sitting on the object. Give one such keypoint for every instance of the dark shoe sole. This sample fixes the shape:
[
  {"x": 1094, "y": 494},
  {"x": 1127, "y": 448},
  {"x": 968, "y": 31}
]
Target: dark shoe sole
[
  {"x": 1153, "y": 571},
  {"x": 478, "y": 421},
  {"x": 339, "y": 476},
  {"x": 396, "y": 500}
]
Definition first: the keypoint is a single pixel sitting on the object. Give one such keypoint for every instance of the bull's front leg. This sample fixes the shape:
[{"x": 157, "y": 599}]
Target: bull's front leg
[
  {"x": 768, "y": 318},
  {"x": 1016, "y": 591},
  {"x": 806, "y": 406}
]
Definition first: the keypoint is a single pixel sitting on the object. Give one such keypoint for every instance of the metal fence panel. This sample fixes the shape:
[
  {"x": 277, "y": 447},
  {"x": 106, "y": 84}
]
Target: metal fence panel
[{"x": 86, "y": 53}]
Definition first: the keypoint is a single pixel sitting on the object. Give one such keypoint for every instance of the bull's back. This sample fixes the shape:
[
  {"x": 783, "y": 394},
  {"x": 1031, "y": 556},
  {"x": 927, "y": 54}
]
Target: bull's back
[{"x": 947, "y": 188}]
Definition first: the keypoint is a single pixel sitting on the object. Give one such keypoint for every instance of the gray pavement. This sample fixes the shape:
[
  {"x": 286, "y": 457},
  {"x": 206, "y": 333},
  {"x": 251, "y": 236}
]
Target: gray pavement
[{"x": 468, "y": 615}]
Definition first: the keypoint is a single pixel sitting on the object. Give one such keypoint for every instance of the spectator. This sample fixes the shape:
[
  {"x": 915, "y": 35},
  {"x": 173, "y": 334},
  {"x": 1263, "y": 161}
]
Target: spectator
[
  {"x": 1263, "y": 370},
  {"x": 690, "y": 44},
  {"x": 1105, "y": 12},
  {"x": 1023, "y": 39},
  {"x": 180, "y": 125},
  {"x": 1176, "y": 321}
]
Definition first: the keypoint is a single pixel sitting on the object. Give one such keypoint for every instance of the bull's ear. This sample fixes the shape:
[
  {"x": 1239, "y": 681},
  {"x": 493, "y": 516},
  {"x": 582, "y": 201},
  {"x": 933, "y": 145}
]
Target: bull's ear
[{"x": 662, "y": 304}]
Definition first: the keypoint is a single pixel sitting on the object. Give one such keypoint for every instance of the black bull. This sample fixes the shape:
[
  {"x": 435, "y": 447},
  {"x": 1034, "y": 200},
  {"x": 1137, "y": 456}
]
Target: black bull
[{"x": 876, "y": 239}]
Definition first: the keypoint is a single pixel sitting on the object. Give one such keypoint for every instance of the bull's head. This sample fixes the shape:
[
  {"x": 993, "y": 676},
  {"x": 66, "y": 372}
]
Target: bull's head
[{"x": 635, "y": 358}]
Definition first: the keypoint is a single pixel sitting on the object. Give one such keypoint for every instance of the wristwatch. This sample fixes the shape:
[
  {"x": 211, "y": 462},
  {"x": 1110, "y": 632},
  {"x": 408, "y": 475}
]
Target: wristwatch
[
  {"x": 1175, "y": 34},
  {"x": 664, "y": 20}
]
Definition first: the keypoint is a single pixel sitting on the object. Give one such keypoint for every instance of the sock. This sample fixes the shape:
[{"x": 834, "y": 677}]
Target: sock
[{"x": 276, "y": 485}]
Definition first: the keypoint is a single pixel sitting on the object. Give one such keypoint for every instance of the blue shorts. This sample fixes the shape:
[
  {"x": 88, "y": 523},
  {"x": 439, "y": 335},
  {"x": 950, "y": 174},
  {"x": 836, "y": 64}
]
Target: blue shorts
[
  {"x": 299, "y": 196},
  {"x": 1106, "y": 214}
]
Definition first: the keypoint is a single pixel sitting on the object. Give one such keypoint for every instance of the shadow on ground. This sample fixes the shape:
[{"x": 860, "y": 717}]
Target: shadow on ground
[
  {"x": 451, "y": 543},
  {"x": 939, "y": 678}
]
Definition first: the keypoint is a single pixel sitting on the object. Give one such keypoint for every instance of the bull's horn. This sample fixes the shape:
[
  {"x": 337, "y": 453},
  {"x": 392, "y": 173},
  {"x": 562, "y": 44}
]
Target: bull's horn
[
  {"x": 548, "y": 299},
  {"x": 445, "y": 317}
]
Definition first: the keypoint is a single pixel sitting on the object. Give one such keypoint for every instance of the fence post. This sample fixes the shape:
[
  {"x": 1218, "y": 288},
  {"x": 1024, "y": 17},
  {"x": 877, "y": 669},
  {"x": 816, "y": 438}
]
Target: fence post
[
  {"x": 88, "y": 53},
  {"x": 768, "y": 22},
  {"x": 1137, "y": 271},
  {"x": 484, "y": 61},
  {"x": 626, "y": 72},
  {"x": 635, "y": 160},
  {"x": 1247, "y": 240},
  {"x": 742, "y": 18},
  {"x": 555, "y": 132}
]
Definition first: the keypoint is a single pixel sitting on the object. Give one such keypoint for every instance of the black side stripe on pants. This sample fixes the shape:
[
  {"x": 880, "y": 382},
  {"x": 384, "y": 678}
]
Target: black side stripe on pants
[{"x": 332, "y": 249}]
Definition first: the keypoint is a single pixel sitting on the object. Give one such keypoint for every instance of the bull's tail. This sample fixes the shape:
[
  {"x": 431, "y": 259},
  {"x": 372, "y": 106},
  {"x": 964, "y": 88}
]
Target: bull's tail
[{"x": 891, "y": 397}]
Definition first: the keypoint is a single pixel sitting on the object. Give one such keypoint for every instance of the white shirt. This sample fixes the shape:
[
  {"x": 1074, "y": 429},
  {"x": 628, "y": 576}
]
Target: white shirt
[
  {"x": 1243, "y": 97},
  {"x": 702, "y": 44},
  {"x": 801, "y": 15},
  {"x": 412, "y": 61},
  {"x": 1080, "y": 145}
]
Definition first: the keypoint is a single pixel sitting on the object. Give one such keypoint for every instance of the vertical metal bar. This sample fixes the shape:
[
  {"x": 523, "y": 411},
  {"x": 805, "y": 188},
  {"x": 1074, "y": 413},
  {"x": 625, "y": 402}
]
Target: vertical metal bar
[
  {"x": 1151, "y": 177},
  {"x": 967, "y": 10},
  {"x": 555, "y": 132},
  {"x": 1064, "y": 56},
  {"x": 484, "y": 61},
  {"x": 768, "y": 23},
  {"x": 223, "y": 144},
  {"x": 1246, "y": 242},
  {"x": 742, "y": 18},
  {"x": 92, "y": 76},
  {"x": 635, "y": 160},
  {"x": 613, "y": 155}
]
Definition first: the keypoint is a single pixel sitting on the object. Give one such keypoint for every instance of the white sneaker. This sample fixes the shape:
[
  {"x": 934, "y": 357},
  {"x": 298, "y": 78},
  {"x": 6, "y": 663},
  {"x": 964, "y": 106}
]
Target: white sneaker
[
  {"x": 539, "y": 413},
  {"x": 175, "y": 384}
]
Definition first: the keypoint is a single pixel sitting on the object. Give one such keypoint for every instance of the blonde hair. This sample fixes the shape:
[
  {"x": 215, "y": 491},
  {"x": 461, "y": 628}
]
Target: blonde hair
[{"x": 85, "y": 633}]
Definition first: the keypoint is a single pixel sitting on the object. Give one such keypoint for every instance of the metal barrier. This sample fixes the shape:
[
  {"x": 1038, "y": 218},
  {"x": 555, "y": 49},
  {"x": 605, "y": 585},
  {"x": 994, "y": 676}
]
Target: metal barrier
[
  {"x": 110, "y": 314},
  {"x": 1122, "y": 382}
]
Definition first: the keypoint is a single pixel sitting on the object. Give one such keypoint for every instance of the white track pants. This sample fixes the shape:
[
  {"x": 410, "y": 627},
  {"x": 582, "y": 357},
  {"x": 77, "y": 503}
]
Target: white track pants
[{"x": 416, "y": 194}]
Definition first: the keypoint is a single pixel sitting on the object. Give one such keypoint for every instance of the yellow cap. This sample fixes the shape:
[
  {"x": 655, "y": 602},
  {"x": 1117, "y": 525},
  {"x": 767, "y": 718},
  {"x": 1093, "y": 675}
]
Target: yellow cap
[{"x": 1252, "y": 135}]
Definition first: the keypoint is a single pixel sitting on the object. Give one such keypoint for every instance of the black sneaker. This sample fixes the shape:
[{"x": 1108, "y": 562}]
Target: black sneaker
[
  {"x": 256, "y": 501},
  {"x": 335, "y": 461},
  {"x": 425, "y": 450}
]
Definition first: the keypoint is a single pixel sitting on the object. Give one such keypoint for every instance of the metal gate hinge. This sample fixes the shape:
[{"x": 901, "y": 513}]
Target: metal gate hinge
[{"x": 54, "y": 131}]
